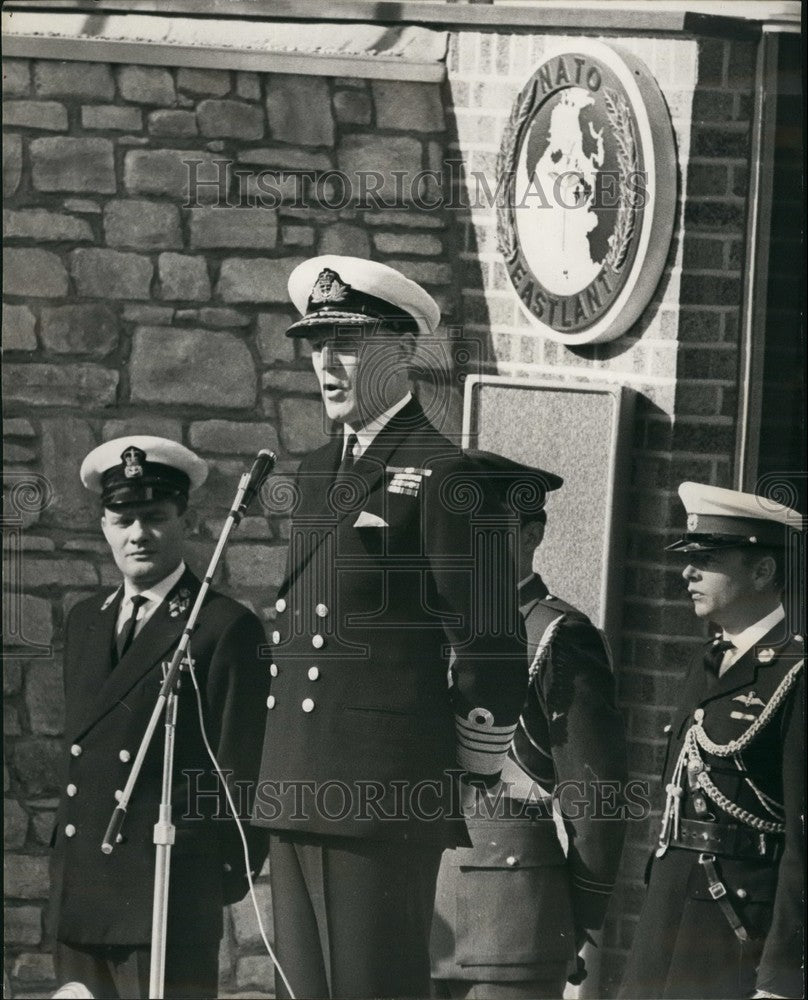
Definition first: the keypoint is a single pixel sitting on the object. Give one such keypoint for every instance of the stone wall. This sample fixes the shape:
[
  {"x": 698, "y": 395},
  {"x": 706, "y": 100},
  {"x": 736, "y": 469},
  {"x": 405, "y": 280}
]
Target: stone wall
[
  {"x": 127, "y": 311},
  {"x": 131, "y": 303}
]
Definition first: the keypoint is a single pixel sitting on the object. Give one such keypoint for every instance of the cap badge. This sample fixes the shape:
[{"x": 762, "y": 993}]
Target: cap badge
[
  {"x": 133, "y": 459},
  {"x": 329, "y": 287},
  {"x": 692, "y": 522}
]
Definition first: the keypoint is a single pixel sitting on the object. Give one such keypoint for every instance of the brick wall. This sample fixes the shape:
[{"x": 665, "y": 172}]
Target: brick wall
[
  {"x": 126, "y": 309},
  {"x": 681, "y": 356}
]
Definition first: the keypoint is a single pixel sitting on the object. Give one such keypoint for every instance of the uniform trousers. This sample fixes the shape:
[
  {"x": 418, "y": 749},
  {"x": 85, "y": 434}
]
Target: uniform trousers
[
  {"x": 352, "y": 915},
  {"x": 526, "y": 989},
  {"x": 121, "y": 972}
]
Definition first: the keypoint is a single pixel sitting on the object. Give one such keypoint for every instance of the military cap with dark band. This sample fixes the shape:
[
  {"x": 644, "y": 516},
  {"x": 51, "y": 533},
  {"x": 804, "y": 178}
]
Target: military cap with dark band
[
  {"x": 351, "y": 292},
  {"x": 521, "y": 488},
  {"x": 718, "y": 518},
  {"x": 141, "y": 468}
]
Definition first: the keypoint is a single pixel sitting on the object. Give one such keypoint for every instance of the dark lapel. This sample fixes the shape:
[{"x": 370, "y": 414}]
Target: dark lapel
[
  {"x": 321, "y": 510},
  {"x": 744, "y": 672},
  {"x": 531, "y": 591},
  {"x": 87, "y": 674},
  {"x": 154, "y": 643}
]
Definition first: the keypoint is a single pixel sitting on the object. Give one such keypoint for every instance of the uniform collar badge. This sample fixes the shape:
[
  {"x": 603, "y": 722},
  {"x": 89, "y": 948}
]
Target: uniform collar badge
[
  {"x": 133, "y": 459},
  {"x": 179, "y": 603},
  {"x": 110, "y": 599},
  {"x": 765, "y": 655}
]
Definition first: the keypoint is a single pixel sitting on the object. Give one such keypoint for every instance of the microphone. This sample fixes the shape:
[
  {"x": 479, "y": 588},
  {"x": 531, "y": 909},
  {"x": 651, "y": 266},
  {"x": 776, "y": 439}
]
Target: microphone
[{"x": 262, "y": 466}]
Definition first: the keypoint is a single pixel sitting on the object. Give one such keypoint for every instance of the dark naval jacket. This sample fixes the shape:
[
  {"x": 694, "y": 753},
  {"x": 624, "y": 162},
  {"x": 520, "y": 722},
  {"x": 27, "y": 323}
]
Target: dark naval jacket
[
  {"x": 685, "y": 945},
  {"x": 392, "y": 567},
  {"x": 99, "y": 899},
  {"x": 513, "y": 906}
]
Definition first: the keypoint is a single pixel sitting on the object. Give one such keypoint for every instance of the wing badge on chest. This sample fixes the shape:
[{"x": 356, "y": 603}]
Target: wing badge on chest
[
  {"x": 406, "y": 480},
  {"x": 748, "y": 701}
]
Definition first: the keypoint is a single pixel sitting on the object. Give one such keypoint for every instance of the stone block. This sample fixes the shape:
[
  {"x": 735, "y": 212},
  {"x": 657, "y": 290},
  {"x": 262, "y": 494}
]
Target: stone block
[
  {"x": 111, "y": 274},
  {"x": 43, "y": 823},
  {"x": 37, "y": 763},
  {"x": 84, "y": 205},
  {"x": 286, "y": 158},
  {"x": 148, "y": 315},
  {"x": 111, "y": 117},
  {"x": 213, "y": 82},
  {"x": 245, "y": 929},
  {"x": 50, "y": 116},
  {"x": 29, "y": 622},
  {"x": 14, "y": 454},
  {"x": 254, "y": 279},
  {"x": 44, "y": 694},
  {"x": 303, "y": 424},
  {"x": 255, "y": 565},
  {"x": 425, "y": 272},
  {"x": 142, "y": 225},
  {"x": 65, "y": 163},
  {"x": 301, "y": 382},
  {"x": 412, "y": 107},
  {"x": 60, "y": 573},
  {"x": 65, "y": 441},
  {"x": 255, "y": 228},
  {"x": 203, "y": 367},
  {"x": 297, "y": 236},
  {"x": 17, "y": 426},
  {"x": 43, "y": 226},
  {"x": 183, "y": 277},
  {"x": 248, "y": 86},
  {"x": 15, "y": 824},
  {"x": 87, "y": 80},
  {"x": 176, "y": 123},
  {"x": 210, "y": 316},
  {"x": 352, "y": 107},
  {"x": 12, "y": 164},
  {"x": 144, "y": 423},
  {"x": 299, "y": 109},
  {"x": 231, "y": 437},
  {"x": 191, "y": 175},
  {"x": 25, "y": 876},
  {"x": 11, "y": 720},
  {"x": 424, "y": 244},
  {"x": 89, "y": 328},
  {"x": 16, "y": 77},
  {"x": 273, "y": 344},
  {"x": 33, "y": 967},
  {"x": 231, "y": 119},
  {"x": 22, "y": 925},
  {"x": 19, "y": 328},
  {"x": 254, "y": 972},
  {"x": 147, "y": 85},
  {"x": 346, "y": 239},
  {"x": 380, "y": 155},
  {"x": 60, "y": 385},
  {"x": 33, "y": 273}
]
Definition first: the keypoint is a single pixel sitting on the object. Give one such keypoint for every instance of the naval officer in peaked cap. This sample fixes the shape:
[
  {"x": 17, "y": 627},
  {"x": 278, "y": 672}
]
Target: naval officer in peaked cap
[
  {"x": 384, "y": 586},
  {"x": 114, "y": 649},
  {"x": 723, "y": 915},
  {"x": 513, "y": 910}
]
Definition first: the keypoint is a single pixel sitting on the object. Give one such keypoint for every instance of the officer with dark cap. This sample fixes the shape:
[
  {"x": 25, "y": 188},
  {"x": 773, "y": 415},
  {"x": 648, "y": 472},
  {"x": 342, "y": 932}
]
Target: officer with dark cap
[
  {"x": 384, "y": 586},
  {"x": 513, "y": 910},
  {"x": 115, "y": 647},
  {"x": 723, "y": 915}
]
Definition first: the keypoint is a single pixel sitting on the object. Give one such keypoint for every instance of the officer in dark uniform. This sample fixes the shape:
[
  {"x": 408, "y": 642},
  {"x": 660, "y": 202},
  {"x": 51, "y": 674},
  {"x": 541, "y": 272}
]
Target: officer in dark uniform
[
  {"x": 389, "y": 571},
  {"x": 513, "y": 910},
  {"x": 723, "y": 916},
  {"x": 115, "y": 647}
]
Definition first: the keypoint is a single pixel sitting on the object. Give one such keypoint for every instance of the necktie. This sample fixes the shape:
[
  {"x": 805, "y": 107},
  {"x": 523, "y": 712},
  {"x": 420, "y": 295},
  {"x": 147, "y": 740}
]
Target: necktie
[
  {"x": 714, "y": 656},
  {"x": 347, "y": 463},
  {"x": 127, "y": 633}
]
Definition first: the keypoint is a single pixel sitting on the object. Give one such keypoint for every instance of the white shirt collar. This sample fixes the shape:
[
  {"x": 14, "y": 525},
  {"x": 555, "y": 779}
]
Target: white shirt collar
[
  {"x": 366, "y": 434},
  {"x": 154, "y": 595},
  {"x": 749, "y": 637}
]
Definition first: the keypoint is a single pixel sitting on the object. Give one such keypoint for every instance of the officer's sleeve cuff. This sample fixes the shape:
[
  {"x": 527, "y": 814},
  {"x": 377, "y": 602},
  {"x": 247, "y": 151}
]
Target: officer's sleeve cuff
[{"x": 482, "y": 746}]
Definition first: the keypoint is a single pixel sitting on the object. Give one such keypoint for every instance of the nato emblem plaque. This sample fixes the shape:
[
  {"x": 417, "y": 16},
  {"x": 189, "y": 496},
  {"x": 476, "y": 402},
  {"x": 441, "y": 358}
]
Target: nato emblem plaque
[{"x": 587, "y": 175}]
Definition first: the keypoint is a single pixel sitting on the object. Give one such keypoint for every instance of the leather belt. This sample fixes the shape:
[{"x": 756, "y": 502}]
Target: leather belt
[
  {"x": 728, "y": 839},
  {"x": 718, "y": 891}
]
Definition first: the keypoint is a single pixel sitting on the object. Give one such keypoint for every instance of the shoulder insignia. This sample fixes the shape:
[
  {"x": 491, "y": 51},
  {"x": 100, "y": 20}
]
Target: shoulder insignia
[{"x": 765, "y": 656}]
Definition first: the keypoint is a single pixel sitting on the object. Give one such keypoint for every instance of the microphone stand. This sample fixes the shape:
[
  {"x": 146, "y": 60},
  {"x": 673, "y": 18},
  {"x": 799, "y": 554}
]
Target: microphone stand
[{"x": 164, "y": 830}]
